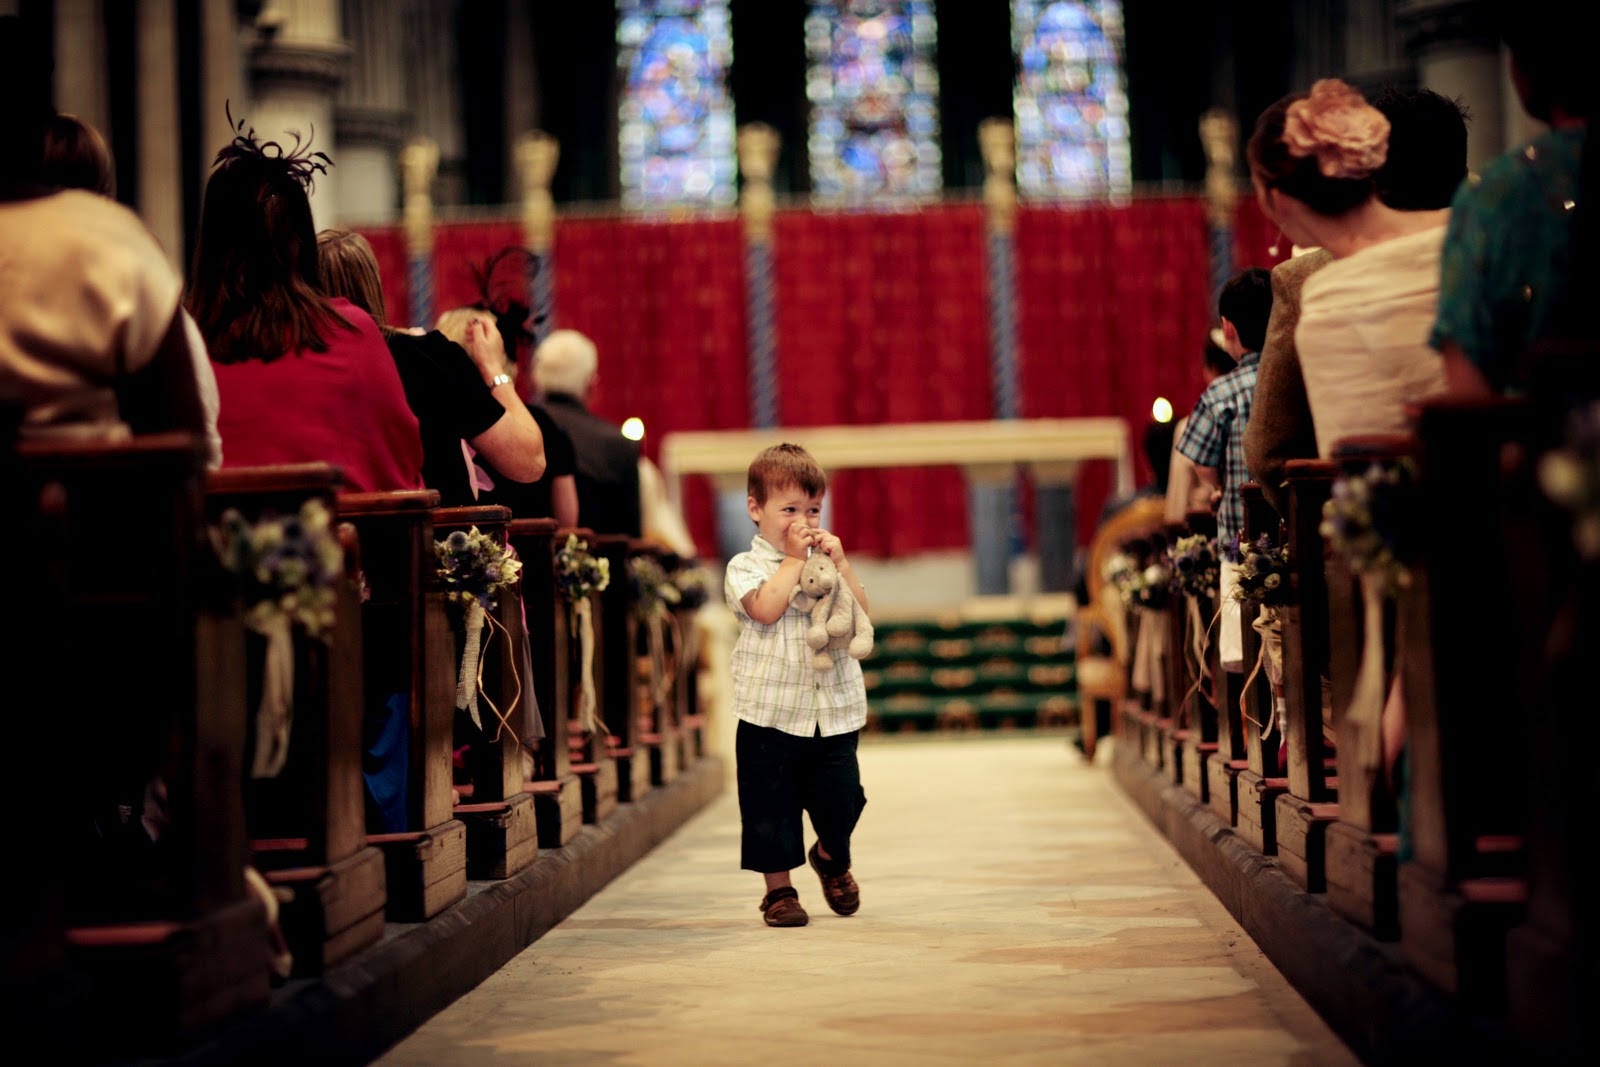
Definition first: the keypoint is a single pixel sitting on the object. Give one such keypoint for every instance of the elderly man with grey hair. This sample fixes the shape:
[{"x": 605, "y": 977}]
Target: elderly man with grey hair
[{"x": 565, "y": 366}]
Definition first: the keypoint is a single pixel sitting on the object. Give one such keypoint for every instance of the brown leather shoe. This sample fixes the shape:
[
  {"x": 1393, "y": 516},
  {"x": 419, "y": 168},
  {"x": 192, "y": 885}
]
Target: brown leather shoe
[
  {"x": 782, "y": 907},
  {"x": 839, "y": 890}
]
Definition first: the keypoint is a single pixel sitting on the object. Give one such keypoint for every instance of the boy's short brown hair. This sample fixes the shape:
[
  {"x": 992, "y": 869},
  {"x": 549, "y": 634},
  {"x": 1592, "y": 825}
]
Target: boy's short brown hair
[{"x": 783, "y": 465}]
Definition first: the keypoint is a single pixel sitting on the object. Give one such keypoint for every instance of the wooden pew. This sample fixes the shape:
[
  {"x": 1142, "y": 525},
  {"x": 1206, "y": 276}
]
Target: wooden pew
[
  {"x": 618, "y": 668},
  {"x": 655, "y": 681},
  {"x": 128, "y": 664},
  {"x": 502, "y": 828},
  {"x": 1203, "y": 678},
  {"x": 691, "y": 715},
  {"x": 592, "y": 754},
  {"x": 1223, "y": 765},
  {"x": 1171, "y": 734},
  {"x": 308, "y": 824},
  {"x": 1362, "y": 843},
  {"x": 1262, "y": 779},
  {"x": 1309, "y": 804},
  {"x": 409, "y": 655},
  {"x": 1464, "y": 886},
  {"x": 557, "y": 793}
]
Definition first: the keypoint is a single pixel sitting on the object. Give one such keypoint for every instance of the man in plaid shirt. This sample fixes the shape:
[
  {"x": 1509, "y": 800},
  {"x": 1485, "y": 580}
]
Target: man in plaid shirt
[{"x": 1214, "y": 436}]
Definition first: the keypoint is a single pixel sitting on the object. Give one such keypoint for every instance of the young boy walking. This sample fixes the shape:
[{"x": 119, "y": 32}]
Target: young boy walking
[{"x": 795, "y": 750}]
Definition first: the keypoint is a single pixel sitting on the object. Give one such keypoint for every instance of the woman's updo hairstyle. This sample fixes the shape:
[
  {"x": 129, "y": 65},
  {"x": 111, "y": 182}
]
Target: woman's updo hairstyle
[{"x": 1321, "y": 147}]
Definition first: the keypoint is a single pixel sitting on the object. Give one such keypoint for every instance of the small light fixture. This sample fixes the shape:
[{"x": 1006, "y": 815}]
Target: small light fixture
[
  {"x": 633, "y": 429},
  {"x": 1161, "y": 410}
]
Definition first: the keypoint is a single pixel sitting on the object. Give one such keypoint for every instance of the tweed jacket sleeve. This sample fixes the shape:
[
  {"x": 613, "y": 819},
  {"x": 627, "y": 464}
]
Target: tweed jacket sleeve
[{"x": 1280, "y": 427}]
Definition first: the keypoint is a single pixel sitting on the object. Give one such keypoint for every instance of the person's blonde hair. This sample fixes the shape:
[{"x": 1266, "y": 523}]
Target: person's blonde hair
[
  {"x": 565, "y": 362},
  {"x": 349, "y": 268},
  {"x": 453, "y": 323}
]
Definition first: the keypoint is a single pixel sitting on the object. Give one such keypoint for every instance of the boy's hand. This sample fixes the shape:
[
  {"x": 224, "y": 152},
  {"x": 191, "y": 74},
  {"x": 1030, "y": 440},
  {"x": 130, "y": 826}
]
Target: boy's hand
[
  {"x": 830, "y": 546},
  {"x": 798, "y": 539}
]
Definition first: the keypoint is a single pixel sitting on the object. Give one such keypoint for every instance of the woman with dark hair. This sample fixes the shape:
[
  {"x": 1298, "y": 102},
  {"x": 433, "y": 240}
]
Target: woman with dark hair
[
  {"x": 303, "y": 377},
  {"x": 459, "y": 392},
  {"x": 1364, "y": 317}
]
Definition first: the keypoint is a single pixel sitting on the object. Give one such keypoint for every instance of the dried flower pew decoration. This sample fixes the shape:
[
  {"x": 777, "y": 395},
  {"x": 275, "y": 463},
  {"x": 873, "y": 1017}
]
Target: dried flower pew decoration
[
  {"x": 1195, "y": 565},
  {"x": 287, "y": 570},
  {"x": 654, "y": 597},
  {"x": 1370, "y": 519},
  {"x": 474, "y": 568},
  {"x": 1263, "y": 579},
  {"x": 579, "y": 575},
  {"x": 1570, "y": 476}
]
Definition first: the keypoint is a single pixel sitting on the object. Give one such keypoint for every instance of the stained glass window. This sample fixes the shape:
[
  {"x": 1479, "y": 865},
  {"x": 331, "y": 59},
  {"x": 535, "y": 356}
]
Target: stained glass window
[
  {"x": 874, "y": 91},
  {"x": 676, "y": 118},
  {"x": 1070, "y": 100}
]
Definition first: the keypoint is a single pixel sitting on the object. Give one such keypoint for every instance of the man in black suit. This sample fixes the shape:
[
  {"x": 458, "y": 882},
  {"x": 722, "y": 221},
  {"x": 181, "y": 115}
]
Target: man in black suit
[{"x": 564, "y": 369}]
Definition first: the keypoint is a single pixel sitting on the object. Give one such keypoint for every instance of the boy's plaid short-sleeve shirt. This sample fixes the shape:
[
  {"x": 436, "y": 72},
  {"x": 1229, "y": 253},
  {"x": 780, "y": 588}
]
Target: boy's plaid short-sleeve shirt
[
  {"x": 774, "y": 684},
  {"x": 1214, "y": 437}
]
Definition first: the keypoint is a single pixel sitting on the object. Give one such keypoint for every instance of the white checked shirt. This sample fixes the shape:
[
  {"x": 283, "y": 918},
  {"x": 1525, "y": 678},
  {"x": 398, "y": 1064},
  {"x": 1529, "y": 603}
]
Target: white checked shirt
[{"x": 774, "y": 684}]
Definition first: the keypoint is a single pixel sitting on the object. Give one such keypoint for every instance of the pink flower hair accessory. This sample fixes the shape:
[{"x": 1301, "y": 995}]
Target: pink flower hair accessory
[{"x": 1349, "y": 137}]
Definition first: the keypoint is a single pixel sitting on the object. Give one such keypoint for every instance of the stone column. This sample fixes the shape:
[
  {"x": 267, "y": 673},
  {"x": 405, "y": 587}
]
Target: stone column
[
  {"x": 433, "y": 89},
  {"x": 297, "y": 62},
  {"x": 992, "y": 489},
  {"x": 81, "y": 63},
  {"x": 1458, "y": 55},
  {"x": 222, "y": 80},
  {"x": 535, "y": 156},
  {"x": 371, "y": 113},
  {"x": 419, "y": 165},
  {"x": 160, "y": 155}
]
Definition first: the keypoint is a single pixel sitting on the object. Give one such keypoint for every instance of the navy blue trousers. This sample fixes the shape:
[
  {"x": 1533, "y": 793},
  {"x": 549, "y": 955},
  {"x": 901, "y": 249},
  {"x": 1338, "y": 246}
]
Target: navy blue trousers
[{"x": 780, "y": 776}]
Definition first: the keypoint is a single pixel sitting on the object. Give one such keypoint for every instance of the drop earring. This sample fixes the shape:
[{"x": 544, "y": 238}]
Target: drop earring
[{"x": 1272, "y": 249}]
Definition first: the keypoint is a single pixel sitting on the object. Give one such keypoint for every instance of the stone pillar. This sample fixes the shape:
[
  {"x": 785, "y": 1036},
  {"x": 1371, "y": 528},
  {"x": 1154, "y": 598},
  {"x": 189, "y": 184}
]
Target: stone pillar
[
  {"x": 992, "y": 490},
  {"x": 160, "y": 155},
  {"x": 81, "y": 88},
  {"x": 433, "y": 89},
  {"x": 1458, "y": 55},
  {"x": 222, "y": 81},
  {"x": 535, "y": 155},
  {"x": 297, "y": 62},
  {"x": 371, "y": 113},
  {"x": 419, "y": 165}
]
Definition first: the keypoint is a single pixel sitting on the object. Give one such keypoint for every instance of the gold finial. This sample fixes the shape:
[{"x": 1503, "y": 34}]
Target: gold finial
[
  {"x": 998, "y": 144},
  {"x": 419, "y": 163},
  {"x": 537, "y": 154},
  {"x": 757, "y": 145},
  {"x": 1219, "y": 136}
]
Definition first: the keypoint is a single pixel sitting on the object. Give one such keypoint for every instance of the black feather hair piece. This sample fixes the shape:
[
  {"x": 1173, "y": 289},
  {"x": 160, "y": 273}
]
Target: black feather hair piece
[
  {"x": 504, "y": 282},
  {"x": 299, "y": 162}
]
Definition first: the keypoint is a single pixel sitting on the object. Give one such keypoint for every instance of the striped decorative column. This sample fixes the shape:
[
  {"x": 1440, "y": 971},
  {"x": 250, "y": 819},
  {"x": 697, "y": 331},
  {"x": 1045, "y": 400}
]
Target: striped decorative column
[
  {"x": 536, "y": 154},
  {"x": 419, "y": 163},
  {"x": 758, "y": 152},
  {"x": 991, "y": 490},
  {"x": 1219, "y": 134}
]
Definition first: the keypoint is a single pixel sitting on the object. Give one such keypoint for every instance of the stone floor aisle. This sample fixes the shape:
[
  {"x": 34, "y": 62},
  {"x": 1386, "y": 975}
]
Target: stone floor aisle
[{"x": 1016, "y": 909}]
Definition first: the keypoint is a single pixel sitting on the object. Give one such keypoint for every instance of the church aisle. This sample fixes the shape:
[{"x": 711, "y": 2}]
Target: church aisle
[{"x": 1016, "y": 909}]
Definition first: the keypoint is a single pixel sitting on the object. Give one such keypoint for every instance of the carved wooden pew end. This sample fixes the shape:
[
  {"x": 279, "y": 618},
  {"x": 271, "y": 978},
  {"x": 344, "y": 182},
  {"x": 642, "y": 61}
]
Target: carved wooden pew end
[
  {"x": 1302, "y": 827},
  {"x": 328, "y": 915},
  {"x": 558, "y": 805},
  {"x": 1455, "y": 935},
  {"x": 426, "y": 870},
  {"x": 1258, "y": 810},
  {"x": 1222, "y": 787},
  {"x": 502, "y": 836},
  {"x": 1197, "y": 757},
  {"x": 598, "y": 782},
  {"x": 1362, "y": 869}
]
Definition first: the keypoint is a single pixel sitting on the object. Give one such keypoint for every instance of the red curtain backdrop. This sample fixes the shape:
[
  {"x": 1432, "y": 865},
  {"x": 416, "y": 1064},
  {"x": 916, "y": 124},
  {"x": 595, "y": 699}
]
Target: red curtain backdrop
[
  {"x": 665, "y": 304},
  {"x": 389, "y": 245},
  {"x": 884, "y": 318},
  {"x": 1253, "y": 235},
  {"x": 1113, "y": 310},
  {"x": 459, "y": 248}
]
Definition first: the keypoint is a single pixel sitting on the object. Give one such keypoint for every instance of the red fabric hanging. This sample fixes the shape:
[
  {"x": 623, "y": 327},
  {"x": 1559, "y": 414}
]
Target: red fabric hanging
[
  {"x": 459, "y": 248},
  {"x": 665, "y": 305},
  {"x": 1112, "y": 313},
  {"x": 1253, "y": 235},
  {"x": 883, "y": 319},
  {"x": 389, "y": 246}
]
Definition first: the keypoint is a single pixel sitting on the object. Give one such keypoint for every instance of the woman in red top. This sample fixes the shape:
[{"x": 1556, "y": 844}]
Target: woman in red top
[{"x": 302, "y": 377}]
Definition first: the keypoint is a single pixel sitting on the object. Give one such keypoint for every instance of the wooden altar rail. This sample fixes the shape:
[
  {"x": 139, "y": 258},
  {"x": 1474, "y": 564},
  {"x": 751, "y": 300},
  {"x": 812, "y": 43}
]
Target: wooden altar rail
[
  {"x": 1461, "y": 934},
  {"x": 1047, "y": 447},
  {"x": 163, "y": 946}
]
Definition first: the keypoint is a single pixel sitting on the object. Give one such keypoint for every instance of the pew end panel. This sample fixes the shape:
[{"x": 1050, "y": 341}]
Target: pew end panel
[
  {"x": 408, "y": 655},
  {"x": 502, "y": 827}
]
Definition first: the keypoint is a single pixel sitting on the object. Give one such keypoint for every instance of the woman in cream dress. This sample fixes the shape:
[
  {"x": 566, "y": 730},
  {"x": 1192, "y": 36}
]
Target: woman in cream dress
[{"x": 1365, "y": 317}]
